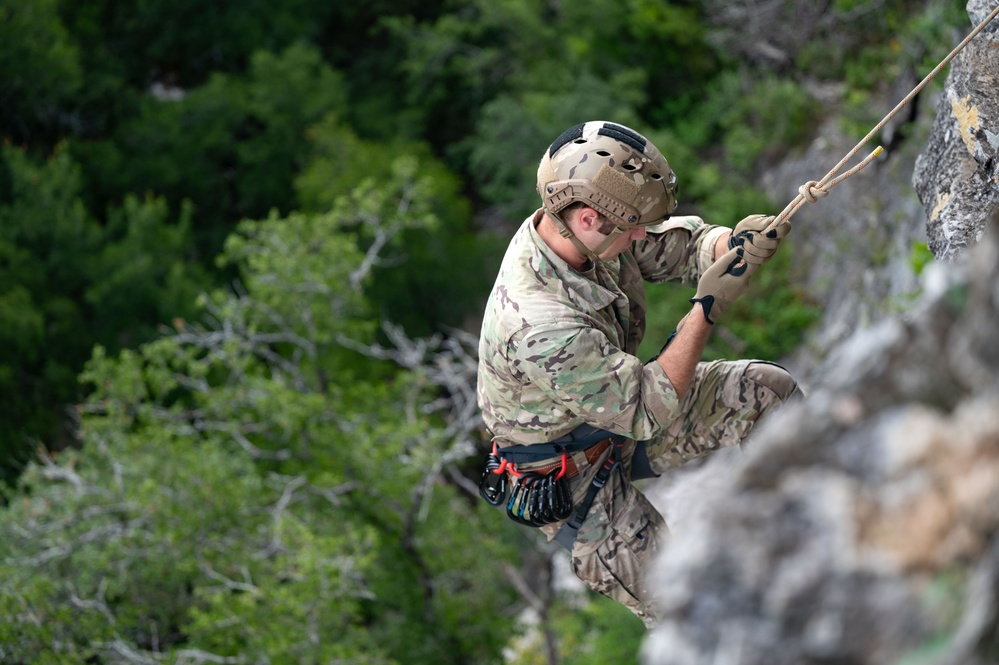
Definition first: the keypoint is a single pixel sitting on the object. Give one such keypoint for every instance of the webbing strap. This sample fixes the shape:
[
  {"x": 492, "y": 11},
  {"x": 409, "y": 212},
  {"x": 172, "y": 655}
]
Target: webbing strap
[
  {"x": 566, "y": 536},
  {"x": 578, "y": 439}
]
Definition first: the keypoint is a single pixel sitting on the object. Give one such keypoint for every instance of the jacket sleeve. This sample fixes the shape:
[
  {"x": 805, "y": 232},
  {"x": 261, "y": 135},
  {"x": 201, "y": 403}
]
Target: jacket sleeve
[
  {"x": 585, "y": 375},
  {"x": 678, "y": 250}
]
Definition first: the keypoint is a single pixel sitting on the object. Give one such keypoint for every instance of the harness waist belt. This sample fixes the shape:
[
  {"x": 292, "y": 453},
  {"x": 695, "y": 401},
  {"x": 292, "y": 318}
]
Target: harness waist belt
[
  {"x": 592, "y": 453},
  {"x": 581, "y": 438}
]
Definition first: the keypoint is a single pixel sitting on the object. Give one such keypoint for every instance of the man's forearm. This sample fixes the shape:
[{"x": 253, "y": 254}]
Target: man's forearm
[
  {"x": 681, "y": 356},
  {"x": 721, "y": 245}
]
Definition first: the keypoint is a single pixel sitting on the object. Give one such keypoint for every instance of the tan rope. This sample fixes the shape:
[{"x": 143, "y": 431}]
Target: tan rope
[{"x": 812, "y": 191}]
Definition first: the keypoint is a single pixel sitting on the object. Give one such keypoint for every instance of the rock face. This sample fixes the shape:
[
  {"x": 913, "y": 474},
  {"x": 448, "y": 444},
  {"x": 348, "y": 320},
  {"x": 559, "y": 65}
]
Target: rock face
[
  {"x": 957, "y": 175},
  {"x": 860, "y": 525}
]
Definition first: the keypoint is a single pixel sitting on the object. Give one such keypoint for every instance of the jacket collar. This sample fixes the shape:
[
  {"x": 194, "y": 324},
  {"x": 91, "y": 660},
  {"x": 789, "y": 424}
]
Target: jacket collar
[{"x": 583, "y": 285}]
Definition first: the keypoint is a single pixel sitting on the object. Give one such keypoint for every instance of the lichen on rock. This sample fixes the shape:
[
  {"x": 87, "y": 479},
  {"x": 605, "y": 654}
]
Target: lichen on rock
[{"x": 957, "y": 174}]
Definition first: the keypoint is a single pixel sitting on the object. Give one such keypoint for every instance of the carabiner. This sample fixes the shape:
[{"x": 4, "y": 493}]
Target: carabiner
[{"x": 492, "y": 483}]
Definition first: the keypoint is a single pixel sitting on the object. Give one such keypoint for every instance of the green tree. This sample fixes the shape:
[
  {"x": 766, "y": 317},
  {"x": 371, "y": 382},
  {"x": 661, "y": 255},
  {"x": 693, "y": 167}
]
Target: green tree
[
  {"x": 652, "y": 50},
  {"x": 67, "y": 280},
  {"x": 231, "y": 146},
  {"x": 45, "y": 237},
  {"x": 144, "y": 275},
  {"x": 436, "y": 279},
  {"x": 183, "y": 42},
  {"x": 39, "y": 71},
  {"x": 251, "y": 488}
]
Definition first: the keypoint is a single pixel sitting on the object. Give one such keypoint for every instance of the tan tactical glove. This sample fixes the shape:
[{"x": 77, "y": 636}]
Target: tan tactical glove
[
  {"x": 759, "y": 246},
  {"x": 724, "y": 281}
]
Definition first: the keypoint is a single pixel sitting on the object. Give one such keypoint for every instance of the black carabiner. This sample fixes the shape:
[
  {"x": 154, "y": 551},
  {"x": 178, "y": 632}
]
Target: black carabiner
[
  {"x": 562, "y": 499},
  {"x": 542, "y": 515},
  {"x": 492, "y": 483},
  {"x": 520, "y": 496}
]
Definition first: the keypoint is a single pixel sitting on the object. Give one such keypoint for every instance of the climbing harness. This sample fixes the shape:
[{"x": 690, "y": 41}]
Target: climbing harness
[
  {"x": 542, "y": 495},
  {"x": 536, "y": 498},
  {"x": 813, "y": 190}
]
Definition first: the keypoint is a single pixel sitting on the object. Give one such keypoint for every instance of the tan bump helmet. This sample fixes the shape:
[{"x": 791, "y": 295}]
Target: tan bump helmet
[{"x": 611, "y": 168}]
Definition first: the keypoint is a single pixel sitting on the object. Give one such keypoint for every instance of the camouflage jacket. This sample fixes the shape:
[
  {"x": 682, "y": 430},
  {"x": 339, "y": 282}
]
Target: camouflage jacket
[{"x": 557, "y": 346}]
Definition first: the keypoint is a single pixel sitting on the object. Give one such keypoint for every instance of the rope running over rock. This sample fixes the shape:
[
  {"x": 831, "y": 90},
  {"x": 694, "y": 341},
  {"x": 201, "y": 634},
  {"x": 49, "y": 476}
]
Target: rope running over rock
[{"x": 813, "y": 190}]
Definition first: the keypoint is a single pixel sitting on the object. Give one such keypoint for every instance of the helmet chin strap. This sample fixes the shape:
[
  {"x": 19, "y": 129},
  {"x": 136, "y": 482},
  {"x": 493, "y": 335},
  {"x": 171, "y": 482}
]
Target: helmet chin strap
[
  {"x": 614, "y": 235},
  {"x": 592, "y": 254}
]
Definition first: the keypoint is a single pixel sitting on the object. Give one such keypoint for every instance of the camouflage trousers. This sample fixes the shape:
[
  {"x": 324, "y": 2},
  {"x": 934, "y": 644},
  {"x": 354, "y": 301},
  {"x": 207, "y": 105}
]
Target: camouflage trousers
[{"x": 623, "y": 531}]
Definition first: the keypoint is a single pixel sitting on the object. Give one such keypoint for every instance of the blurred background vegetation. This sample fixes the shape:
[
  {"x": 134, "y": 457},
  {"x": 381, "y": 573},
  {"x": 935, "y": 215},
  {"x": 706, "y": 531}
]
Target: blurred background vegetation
[{"x": 208, "y": 209}]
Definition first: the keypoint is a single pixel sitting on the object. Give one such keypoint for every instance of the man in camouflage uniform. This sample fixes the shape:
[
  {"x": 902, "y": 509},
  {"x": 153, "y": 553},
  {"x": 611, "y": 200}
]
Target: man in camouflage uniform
[{"x": 564, "y": 322}]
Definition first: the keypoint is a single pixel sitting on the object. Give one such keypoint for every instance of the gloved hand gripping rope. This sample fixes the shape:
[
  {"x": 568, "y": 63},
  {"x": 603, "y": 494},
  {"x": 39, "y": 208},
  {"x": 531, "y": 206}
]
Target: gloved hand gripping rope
[
  {"x": 813, "y": 190},
  {"x": 752, "y": 244}
]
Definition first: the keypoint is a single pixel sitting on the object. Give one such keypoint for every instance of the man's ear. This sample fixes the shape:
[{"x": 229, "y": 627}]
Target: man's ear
[{"x": 588, "y": 218}]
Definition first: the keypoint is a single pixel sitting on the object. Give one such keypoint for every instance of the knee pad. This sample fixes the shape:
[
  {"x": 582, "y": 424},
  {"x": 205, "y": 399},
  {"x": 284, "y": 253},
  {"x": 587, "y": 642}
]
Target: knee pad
[{"x": 775, "y": 378}]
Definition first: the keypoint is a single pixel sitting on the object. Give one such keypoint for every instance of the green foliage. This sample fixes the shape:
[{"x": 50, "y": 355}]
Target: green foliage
[
  {"x": 39, "y": 70},
  {"x": 774, "y": 114},
  {"x": 190, "y": 551},
  {"x": 526, "y": 71},
  {"x": 248, "y": 489},
  {"x": 909, "y": 40},
  {"x": 601, "y": 631},
  {"x": 65, "y": 280},
  {"x": 184, "y": 41},
  {"x": 590, "y": 633},
  {"x": 339, "y": 160},
  {"x": 664, "y": 40},
  {"x": 232, "y": 146},
  {"x": 753, "y": 115},
  {"x": 920, "y": 257},
  {"x": 427, "y": 259},
  {"x": 44, "y": 237},
  {"x": 142, "y": 272},
  {"x": 903, "y": 46},
  {"x": 469, "y": 49}
]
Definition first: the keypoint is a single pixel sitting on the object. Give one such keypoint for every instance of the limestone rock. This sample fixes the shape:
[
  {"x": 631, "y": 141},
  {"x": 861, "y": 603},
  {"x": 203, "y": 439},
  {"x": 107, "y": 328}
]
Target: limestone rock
[
  {"x": 860, "y": 525},
  {"x": 957, "y": 175}
]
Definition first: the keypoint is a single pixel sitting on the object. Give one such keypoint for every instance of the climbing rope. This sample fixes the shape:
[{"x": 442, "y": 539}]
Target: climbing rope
[{"x": 813, "y": 190}]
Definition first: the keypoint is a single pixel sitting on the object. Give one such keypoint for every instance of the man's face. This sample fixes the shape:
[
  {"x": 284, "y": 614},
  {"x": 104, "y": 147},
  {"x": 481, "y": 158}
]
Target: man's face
[
  {"x": 622, "y": 242},
  {"x": 594, "y": 234}
]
